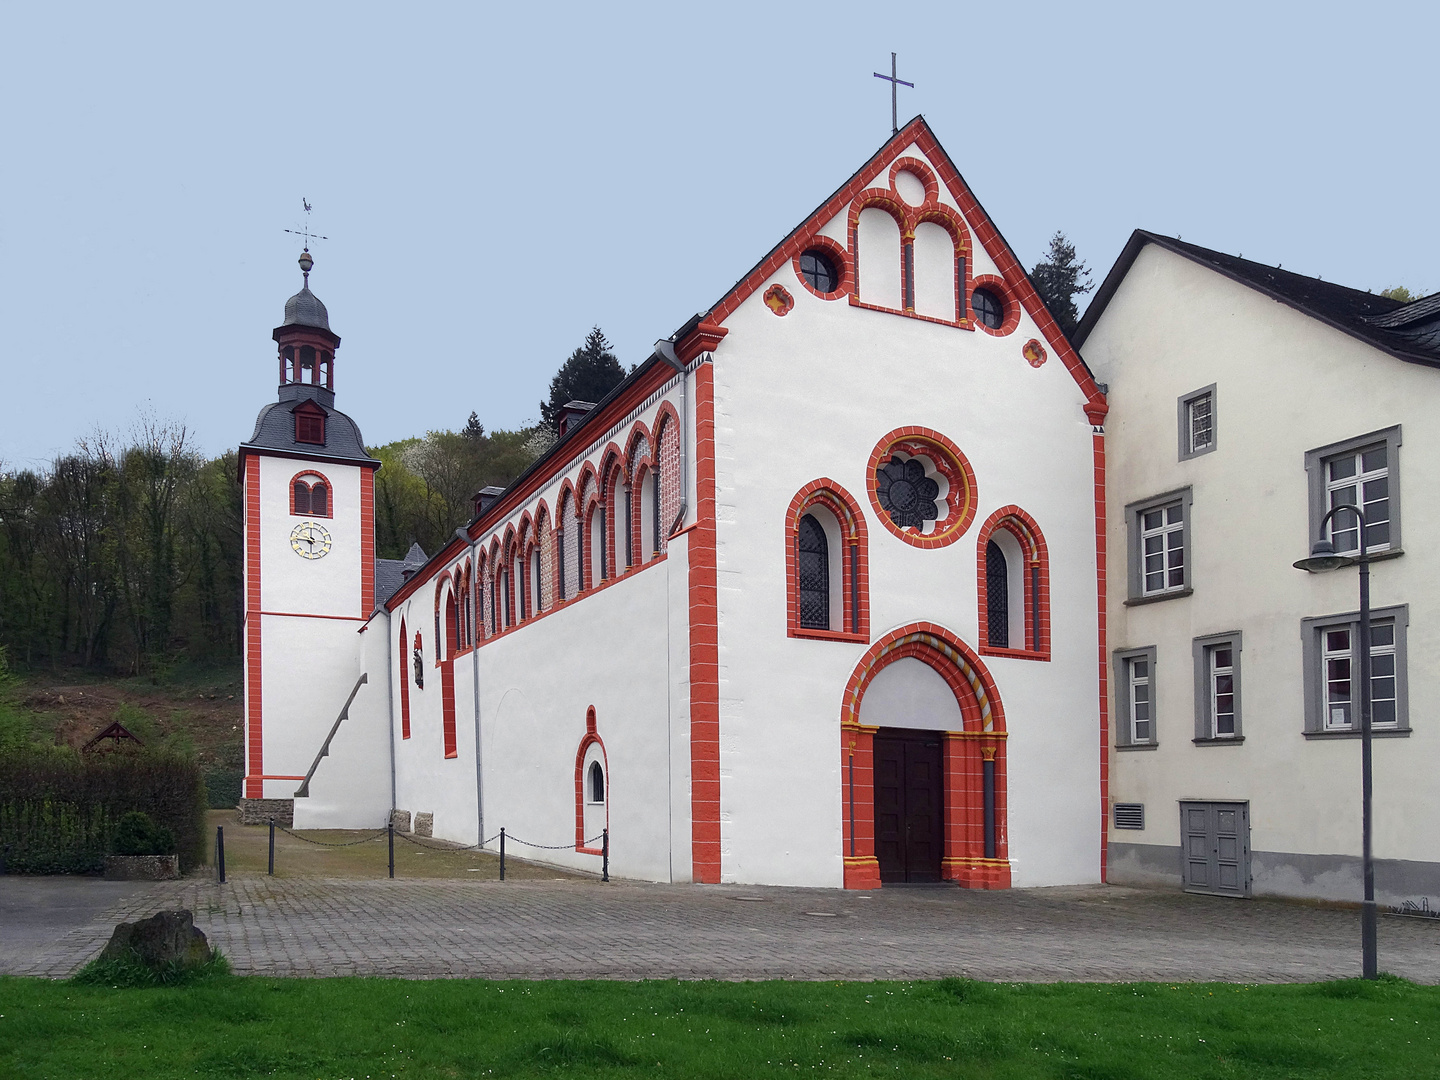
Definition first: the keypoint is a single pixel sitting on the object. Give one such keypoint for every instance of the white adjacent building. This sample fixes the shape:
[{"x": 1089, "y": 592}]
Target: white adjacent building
[
  {"x": 813, "y": 597},
  {"x": 1245, "y": 402}
]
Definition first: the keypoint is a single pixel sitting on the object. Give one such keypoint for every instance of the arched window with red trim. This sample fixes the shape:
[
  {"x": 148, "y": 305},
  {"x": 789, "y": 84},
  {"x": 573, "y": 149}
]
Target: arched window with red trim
[
  {"x": 404, "y": 682},
  {"x": 310, "y": 495},
  {"x": 1012, "y": 565},
  {"x": 826, "y": 565}
]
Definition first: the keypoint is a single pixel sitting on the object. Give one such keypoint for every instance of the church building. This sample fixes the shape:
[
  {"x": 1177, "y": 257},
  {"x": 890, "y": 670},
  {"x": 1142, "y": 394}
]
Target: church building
[{"x": 816, "y": 596}]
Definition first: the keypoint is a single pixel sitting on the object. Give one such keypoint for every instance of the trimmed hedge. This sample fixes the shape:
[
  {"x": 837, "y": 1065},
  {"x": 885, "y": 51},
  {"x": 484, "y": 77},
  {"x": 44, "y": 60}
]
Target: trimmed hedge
[{"x": 59, "y": 810}]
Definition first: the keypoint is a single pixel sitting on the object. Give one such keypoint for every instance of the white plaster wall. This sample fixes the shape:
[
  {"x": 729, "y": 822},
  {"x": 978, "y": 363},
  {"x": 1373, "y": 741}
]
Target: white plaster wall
[
  {"x": 309, "y": 669},
  {"x": 809, "y": 395},
  {"x": 1286, "y": 384},
  {"x": 351, "y": 787},
  {"x": 623, "y": 649},
  {"x": 288, "y": 583}
]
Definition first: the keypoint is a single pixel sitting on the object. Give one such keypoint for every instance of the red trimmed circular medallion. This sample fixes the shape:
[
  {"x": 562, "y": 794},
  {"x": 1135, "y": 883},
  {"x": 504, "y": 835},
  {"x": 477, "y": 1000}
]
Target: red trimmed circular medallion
[
  {"x": 779, "y": 300},
  {"x": 921, "y": 487}
]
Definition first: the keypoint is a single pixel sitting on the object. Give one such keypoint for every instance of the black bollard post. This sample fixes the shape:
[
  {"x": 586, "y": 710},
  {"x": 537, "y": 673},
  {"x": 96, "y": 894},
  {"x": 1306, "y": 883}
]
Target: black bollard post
[
  {"x": 271, "y": 871},
  {"x": 605, "y": 855},
  {"x": 220, "y": 852},
  {"x": 502, "y": 854},
  {"x": 391, "y": 831}
]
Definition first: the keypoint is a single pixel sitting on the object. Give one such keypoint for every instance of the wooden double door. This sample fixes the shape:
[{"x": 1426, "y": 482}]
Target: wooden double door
[{"x": 909, "y": 804}]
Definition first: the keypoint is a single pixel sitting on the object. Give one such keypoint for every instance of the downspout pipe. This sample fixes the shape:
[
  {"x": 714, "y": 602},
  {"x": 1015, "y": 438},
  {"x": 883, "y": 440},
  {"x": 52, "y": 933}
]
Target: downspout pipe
[
  {"x": 390, "y": 663},
  {"x": 665, "y": 349},
  {"x": 474, "y": 544}
]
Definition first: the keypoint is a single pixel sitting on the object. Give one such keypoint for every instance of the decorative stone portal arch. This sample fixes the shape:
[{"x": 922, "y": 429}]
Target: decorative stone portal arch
[{"x": 970, "y": 727}]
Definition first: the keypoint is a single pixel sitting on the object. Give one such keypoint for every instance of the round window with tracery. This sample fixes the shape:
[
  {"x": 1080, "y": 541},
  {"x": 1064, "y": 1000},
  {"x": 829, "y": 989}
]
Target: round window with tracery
[{"x": 922, "y": 487}]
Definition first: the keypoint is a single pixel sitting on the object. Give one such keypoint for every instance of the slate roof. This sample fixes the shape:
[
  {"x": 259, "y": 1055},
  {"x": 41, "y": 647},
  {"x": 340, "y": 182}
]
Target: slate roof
[
  {"x": 390, "y": 573},
  {"x": 275, "y": 427},
  {"x": 305, "y": 309},
  {"x": 1407, "y": 331}
]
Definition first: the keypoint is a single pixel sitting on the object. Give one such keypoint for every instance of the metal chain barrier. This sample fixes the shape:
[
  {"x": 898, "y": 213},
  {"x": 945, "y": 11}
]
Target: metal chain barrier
[
  {"x": 322, "y": 843},
  {"x": 437, "y": 847},
  {"x": 389, "y": 832}
]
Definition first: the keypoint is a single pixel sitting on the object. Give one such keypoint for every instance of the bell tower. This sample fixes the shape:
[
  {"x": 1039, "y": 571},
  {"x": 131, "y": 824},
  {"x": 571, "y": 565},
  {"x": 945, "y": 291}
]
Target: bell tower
[{"x": 309, "y": 496}]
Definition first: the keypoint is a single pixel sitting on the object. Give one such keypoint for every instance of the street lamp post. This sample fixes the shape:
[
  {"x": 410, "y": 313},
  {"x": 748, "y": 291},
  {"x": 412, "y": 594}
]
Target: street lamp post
[{"x": 1323, "y": 558}]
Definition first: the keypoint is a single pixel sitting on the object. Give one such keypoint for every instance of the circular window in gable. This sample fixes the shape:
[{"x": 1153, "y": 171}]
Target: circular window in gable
[
  {"x": 989, "y": 309},
  {"x": 819, "y": 271},
  {"x": 921, "y": 487}
]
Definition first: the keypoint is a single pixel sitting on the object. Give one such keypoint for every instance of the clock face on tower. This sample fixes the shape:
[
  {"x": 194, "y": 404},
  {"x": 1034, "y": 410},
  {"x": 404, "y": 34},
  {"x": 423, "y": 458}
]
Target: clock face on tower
[{"x": 310, "y": 540}]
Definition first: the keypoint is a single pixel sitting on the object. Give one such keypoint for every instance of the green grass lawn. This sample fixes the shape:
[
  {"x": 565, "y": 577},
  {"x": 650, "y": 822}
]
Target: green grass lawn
[{"x": 227, "y": 1026}]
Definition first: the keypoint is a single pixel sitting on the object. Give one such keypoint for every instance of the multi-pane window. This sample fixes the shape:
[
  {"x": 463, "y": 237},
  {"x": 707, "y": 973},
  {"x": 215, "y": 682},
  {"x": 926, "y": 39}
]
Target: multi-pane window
[
  {"x": 812, "y": 557},
  {"x": 1162, "y": 538},
  {"x": 1197, "y": 422},
  {"x": 1340, "y": 657},
  {"x": 1221, "y": 679},
  {"x": 1360, "y": 478},
  {"x": 997, "y": 596},
  {"x": 1201, "y": 423},
  {"x": 1364, "y": 472},
  {"x": 1135, "y": 698},
  {"x": 1141, "y": 703}
]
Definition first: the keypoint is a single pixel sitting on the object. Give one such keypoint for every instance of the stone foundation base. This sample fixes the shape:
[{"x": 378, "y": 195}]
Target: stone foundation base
[
  {"x": 862, "y": 872},
  {"x": 401, "y": 820},
  {"x": 977, "y": 873},
  {"x": 260, "y": 811},
  {"x": 142, "y": 867},
  {"x": 424, "y": 824}
]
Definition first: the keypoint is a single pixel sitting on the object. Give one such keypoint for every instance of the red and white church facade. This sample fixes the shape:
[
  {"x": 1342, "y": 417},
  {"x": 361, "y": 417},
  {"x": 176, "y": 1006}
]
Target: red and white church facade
[{"x": 814, "y": 597}]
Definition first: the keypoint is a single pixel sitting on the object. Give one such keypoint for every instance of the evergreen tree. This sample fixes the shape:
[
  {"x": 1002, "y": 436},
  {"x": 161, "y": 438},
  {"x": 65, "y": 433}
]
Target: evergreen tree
[
  {"x": 1059, "y": 278},
  {"x": 591, "y": 372},
  {"x": 474, "y": 430}
]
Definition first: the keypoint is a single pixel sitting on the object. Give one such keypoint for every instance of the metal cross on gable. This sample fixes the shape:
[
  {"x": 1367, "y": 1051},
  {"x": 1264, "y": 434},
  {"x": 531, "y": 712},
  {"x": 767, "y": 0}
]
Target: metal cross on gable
[
  {"x": 895, "y": 84},
  {"x": 304, "y": 231}
]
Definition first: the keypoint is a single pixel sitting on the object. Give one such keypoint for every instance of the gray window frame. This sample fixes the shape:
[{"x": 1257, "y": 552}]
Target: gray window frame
[
  {"x": 1182, "y": 410},
  {"x": 1135, "y": 557},
  {"x": 1310, "y": 631},
  {"x": 1201, "y": 648},
  {"x": 1121, "y": 682},
  {"x": 1315, "y": 479}
]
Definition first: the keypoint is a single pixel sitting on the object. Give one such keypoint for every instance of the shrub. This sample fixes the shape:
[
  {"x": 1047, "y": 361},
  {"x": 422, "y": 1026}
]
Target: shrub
[
  {"x": 138, "y": 835},
  {"x": 60, "y": 811}
]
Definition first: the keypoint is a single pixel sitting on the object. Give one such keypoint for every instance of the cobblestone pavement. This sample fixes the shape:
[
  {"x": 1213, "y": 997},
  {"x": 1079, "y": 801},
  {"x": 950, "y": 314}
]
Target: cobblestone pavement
[{"x": 573, "y": 929}]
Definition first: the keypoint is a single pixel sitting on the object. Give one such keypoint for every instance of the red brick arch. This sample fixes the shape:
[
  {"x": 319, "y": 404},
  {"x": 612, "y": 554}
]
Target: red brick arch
[
  {"x": 854, "y": 561},
  {"x": 982, "y": 739},
  {"x": 590, "y": 738},
  {"x": 1037, "y": 583}
]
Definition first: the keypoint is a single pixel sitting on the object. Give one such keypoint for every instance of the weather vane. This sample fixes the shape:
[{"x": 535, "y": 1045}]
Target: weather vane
[
  {"x": 304, "y": 231},
  {"x": 895, "y": 84}
]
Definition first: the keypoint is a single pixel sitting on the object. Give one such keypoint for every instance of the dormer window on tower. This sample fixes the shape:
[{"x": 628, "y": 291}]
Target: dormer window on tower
[{"x": 310, "y": 423}]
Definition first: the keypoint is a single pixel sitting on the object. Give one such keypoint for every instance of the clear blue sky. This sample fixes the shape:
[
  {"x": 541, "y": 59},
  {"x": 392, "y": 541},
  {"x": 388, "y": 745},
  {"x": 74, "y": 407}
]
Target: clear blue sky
[{"x": 496, "y": 179}]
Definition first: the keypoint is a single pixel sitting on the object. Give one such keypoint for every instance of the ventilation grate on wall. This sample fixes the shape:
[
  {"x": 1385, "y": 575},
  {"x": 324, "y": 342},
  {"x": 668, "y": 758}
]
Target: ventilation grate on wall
[{"x": 1129, "y": 815}]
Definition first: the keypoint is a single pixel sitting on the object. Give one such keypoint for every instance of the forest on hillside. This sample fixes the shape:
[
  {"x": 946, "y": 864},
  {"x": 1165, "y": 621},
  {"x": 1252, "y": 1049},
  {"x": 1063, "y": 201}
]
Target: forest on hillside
[{"x": 123, "y": 555}]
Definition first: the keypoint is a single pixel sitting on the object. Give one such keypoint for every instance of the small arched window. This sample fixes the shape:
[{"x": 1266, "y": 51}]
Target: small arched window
[
  {"x": 1013, "y": 587},
  {"x": 812, "y": 556},
  {"x": 310, "y": 495},
  {"x": 997, "y": 596},
  {"x": 597, "y": 783}
]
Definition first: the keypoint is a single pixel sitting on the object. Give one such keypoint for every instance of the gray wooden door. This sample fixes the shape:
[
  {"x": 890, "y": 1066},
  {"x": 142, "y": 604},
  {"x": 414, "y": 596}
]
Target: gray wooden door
[{"x": 1215, "y": 847}]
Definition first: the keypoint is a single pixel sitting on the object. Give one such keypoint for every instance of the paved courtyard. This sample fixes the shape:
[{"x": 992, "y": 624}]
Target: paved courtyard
[{"x": 583, "y": 929}]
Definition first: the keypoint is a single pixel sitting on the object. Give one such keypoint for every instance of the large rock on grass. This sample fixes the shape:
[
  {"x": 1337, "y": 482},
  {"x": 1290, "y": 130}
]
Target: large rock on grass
[{"x": 165, "y": 939}]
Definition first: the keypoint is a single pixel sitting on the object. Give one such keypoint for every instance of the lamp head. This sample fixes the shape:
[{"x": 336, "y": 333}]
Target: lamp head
[{"x": 1323, "y": 558}]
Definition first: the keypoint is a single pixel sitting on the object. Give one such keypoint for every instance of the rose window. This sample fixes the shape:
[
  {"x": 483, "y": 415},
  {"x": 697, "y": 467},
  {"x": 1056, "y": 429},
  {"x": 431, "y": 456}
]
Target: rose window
[
  {"x": 922, "y": 487},
  {"x": 906, "y": 493}
]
